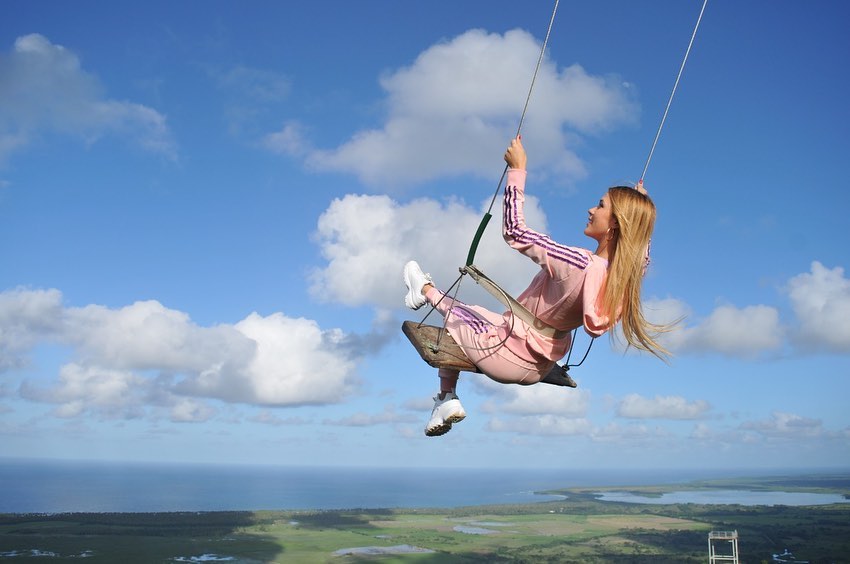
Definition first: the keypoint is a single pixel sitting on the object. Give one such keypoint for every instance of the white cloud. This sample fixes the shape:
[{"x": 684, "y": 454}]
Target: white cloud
[
  {"x": 46, "y": 90},
  {"x": 366, "y": 240},
  {"x": 288, "y": 141},
  {"x": 266, "y": 417},
  {"x": 635, "y": 406},
  {"x": 388, "y": 416},
  {"x": 452, "y": 111},
  {"x": 539, "y": 399},
  {"x": 187, "y": 410},
  {"x": 742, "y": 332},
  {"x": 148, "y": 336},
  {"x": 821, "y": 302},
  {"x": 540, "y": 409},
  {"x": 739, "y": 331},
  {"x": 146, "y": 355},
  {"x": 83, "y": 389},
  {"x": 628, "y": 434},
  {"x": 665, "y": 311},
  {"x": 703, "y": 432},
  {"x": 114, "y": 394},
  {"x": 292, "y": 355},
  {"x": 786, "y": 425},
  {"x": 541, "y": 425},
  {"x": 26, "y": 317}
]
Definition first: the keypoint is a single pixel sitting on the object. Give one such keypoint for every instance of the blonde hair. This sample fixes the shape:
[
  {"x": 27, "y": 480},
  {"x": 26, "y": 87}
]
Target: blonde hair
[{"x": 634, "y": 214}]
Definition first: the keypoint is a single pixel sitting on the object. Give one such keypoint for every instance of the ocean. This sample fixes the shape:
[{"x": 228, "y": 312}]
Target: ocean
[{"x": 43, "y": 486}]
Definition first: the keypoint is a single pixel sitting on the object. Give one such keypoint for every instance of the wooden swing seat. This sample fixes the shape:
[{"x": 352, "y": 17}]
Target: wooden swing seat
[{"x": 448, "y": 355}]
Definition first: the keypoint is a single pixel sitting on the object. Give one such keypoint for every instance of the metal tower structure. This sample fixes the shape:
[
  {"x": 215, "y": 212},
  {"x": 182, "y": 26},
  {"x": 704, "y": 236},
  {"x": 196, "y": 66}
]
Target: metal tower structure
[{"x": 723, "y": 547}]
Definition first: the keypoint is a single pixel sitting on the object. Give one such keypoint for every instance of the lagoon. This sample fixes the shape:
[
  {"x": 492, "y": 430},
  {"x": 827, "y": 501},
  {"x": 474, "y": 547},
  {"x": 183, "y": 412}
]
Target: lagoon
[{"x": 727, "y": 497}]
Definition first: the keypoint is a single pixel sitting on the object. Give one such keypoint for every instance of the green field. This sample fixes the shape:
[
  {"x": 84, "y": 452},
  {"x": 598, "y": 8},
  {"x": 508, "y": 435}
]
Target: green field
[{"x": 578, "y": 529}]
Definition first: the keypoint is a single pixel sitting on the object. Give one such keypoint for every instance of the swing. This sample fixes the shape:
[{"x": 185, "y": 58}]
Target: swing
[
  {"x": 438, "y": 349},
  {"x": 436, "y": 346}
]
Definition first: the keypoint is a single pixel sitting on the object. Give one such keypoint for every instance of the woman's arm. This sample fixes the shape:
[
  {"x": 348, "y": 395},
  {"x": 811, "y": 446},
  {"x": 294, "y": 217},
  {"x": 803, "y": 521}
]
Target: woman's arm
[
  {"x": 539, "y": 247},
  {"x": 515, "y": 155}
]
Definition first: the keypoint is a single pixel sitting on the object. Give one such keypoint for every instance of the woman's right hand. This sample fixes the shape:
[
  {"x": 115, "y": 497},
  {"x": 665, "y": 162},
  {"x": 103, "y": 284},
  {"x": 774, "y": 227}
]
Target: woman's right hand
[{"x": 515, "y": 155}]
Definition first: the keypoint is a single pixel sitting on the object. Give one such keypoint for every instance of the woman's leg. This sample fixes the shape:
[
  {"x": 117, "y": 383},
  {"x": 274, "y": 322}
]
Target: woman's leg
[
  {"x": 447, "y": 408},
  {"x": 477, "y": 331},
  {"x": 482, "y": 336},
  {"x": 448, "y": 381}
]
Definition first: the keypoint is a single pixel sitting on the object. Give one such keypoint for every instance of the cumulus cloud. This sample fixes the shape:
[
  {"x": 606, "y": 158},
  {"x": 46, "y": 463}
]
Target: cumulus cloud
[
  {"x": 739, "y": 331},
  {"x": 614, "y": 432},
  {"x": 821, "y": 301},
  {"x": 540, "y": 399},
  {"x": 114, "y": 393},
  {"x": 290, "y": 141},
  {"x": 459, "y": 102},
  {"x": 665, "y": 311},
  {"x": 703, "y": 432},
  {"x": 45, "y": 90},
  {"x": 785, "y": 425},
  {"x": 540, "y": 409},
  {"x": 541, "y": 425},
  {"x": 266, "y": 417},
  {"x": 388, "y": 416},
  {"x": 635, "y": 406},
  {"x": 742, "y": 332},
  {"x": 26, "y": 317},
  {"x": 145, "y": 354}
]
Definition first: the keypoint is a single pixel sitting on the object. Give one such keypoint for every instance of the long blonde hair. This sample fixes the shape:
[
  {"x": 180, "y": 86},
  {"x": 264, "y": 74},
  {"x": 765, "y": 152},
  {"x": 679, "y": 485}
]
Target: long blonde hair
[{"x": 634, "y": 214}]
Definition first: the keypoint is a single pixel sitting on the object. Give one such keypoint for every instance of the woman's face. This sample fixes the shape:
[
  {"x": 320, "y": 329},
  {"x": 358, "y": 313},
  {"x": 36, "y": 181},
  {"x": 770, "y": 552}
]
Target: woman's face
[{"x": 600, "y": 219}]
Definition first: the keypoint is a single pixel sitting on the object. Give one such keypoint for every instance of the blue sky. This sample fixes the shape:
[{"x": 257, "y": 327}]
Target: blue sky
[{"x": 205, "y": 208}]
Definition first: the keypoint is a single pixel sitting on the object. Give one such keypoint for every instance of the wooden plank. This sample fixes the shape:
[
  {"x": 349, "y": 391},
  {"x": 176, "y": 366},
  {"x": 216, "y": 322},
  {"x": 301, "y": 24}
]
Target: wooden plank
[
  {"x": 449, "y": 355},
  {"x": 559, "y": 376}
]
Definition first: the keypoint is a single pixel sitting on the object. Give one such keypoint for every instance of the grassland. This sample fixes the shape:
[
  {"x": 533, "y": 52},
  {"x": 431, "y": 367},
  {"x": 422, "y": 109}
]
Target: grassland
[{"x": 577, "y": 529}]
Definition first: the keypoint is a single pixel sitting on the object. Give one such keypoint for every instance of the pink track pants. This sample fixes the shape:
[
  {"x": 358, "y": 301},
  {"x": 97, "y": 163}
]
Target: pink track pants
[{"x": 479, "y": 332}]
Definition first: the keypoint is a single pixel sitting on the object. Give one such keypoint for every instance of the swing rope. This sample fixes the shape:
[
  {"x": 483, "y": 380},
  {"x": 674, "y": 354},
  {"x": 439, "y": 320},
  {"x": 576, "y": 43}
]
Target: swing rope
[
  {"x": 486, "y": 219},
  {"x": 673, "y": 92}
]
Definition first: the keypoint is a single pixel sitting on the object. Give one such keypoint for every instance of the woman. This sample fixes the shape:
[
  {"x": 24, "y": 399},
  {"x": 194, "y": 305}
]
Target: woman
[{"x": 575, "y": 287}]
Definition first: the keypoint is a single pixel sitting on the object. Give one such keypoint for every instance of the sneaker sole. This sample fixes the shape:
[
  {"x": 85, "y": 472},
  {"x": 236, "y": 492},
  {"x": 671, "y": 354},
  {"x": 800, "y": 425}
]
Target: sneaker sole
[
  {"x": 456, "y": 418},
  {"x": 438, "y": 430},
  {"x": 445, "y": 426},
  {"x": 411, "y": 300}
]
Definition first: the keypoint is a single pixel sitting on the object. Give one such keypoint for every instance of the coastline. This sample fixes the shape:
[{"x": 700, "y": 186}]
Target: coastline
[{"x": 46, "y": 486}]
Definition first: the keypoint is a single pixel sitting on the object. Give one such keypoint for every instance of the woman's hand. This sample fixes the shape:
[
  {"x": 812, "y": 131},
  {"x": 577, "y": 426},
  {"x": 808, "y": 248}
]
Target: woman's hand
[
  {"x": 515, "y": 155},
  {"x": 641, "y": 189}
]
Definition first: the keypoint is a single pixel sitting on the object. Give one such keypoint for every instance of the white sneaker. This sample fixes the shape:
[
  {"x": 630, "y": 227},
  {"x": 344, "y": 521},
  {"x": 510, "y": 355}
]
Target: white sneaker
[
  {"x": 415, "y": 280},
  {"x": 446, "y": 411}
]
